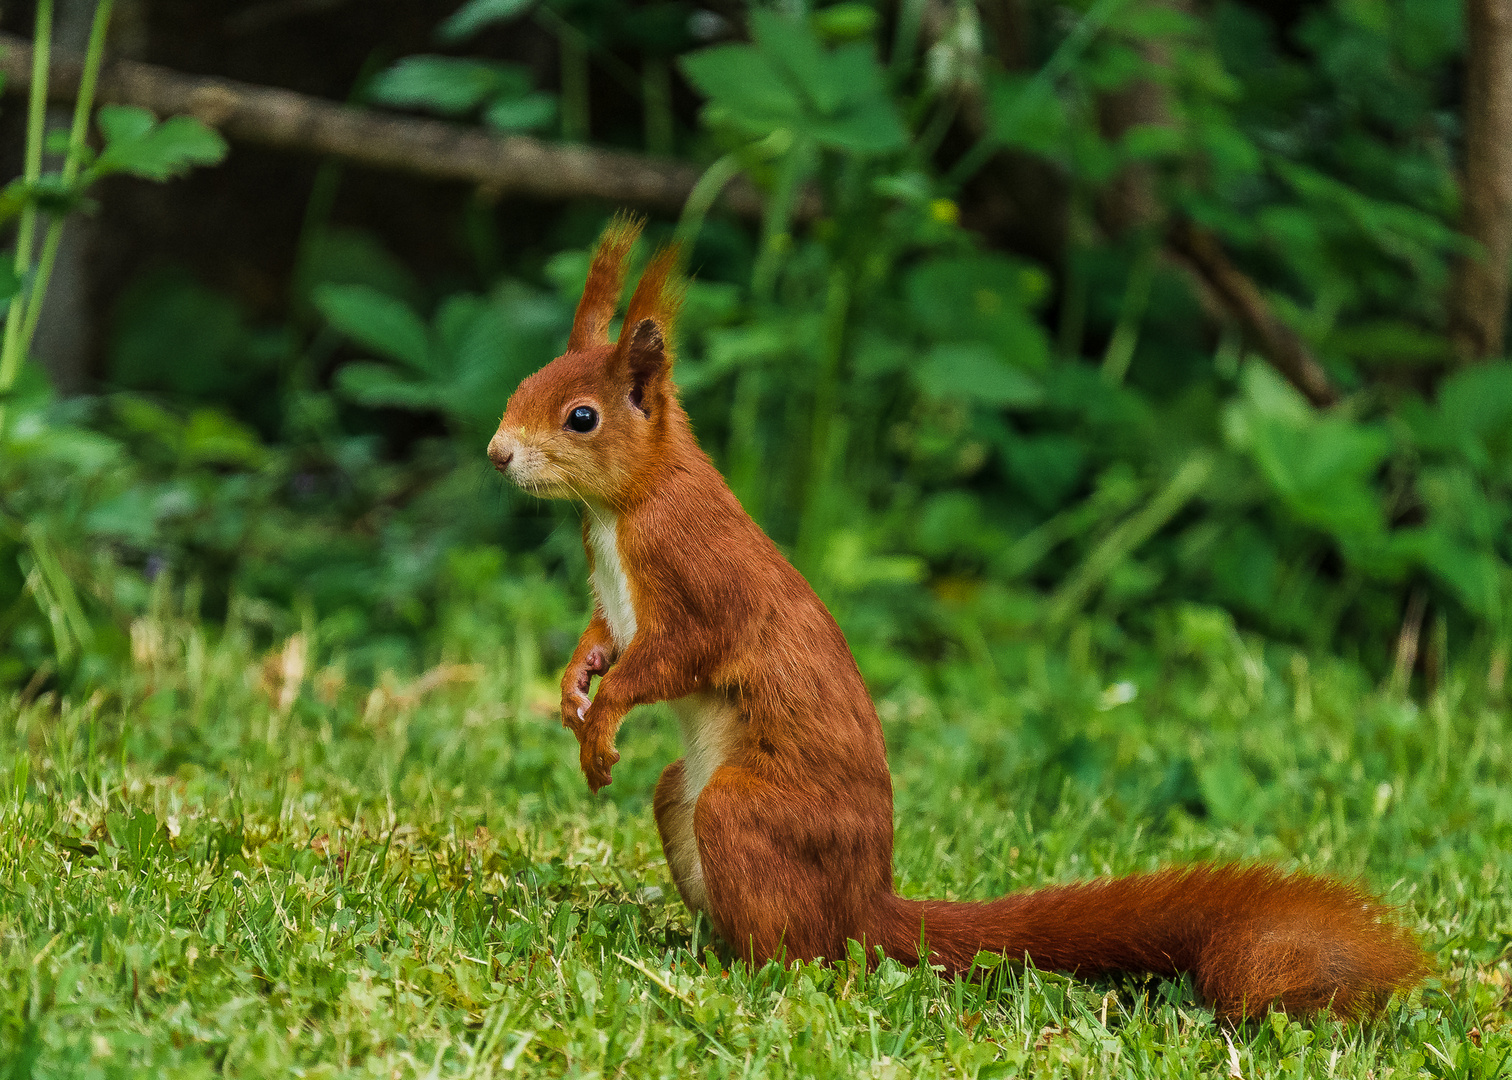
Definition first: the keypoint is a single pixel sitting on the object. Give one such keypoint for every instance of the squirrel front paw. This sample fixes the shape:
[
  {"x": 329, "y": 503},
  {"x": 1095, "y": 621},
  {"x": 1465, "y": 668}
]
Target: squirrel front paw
[
  {"x": 575, "y": 682},
  {"x": 575, "y": 705},
  {"x": 597, "y": 756}
]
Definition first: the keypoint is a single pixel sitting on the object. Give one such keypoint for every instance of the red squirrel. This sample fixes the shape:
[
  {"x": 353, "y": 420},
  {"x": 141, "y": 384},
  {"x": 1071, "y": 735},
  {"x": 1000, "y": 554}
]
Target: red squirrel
[{"x": 778, "y": 824}]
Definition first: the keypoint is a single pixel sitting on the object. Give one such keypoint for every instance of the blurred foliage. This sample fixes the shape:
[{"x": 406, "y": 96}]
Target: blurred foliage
[{"x": 968, "y": 448}]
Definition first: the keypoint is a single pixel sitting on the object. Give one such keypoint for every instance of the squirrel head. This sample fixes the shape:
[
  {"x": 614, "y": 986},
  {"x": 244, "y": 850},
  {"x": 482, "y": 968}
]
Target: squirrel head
[{"x": 586, "y": 425}]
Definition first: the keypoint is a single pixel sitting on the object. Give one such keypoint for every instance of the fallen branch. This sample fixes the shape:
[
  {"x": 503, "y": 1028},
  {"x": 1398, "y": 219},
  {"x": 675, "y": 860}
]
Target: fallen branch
[
  {"x": 1241, "y": 297},
  {"x": 432, "y": 148}
]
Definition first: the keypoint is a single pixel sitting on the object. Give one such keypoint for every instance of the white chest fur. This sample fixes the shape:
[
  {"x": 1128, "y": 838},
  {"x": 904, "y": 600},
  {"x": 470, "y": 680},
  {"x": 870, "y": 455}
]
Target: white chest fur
[
  {"x": 609, "y": 582},
  {"x": 708, "y": 734},
  {"x": 708, "y": 725}
]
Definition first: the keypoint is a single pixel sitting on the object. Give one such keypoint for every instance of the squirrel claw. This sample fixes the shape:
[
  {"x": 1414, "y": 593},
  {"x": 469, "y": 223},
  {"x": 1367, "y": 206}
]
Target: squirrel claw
[{"x": 574, "y": 709}]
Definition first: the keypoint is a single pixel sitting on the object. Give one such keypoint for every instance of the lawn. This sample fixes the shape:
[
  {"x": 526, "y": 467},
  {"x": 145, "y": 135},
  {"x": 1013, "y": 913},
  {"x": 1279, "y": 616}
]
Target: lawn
[{"x": 241, "y": 861}]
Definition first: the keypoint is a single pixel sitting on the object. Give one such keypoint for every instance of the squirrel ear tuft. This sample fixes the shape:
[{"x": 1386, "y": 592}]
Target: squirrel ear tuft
[
  {"x": 645, "y": 355},
  {"x": 606, "y": 279}
]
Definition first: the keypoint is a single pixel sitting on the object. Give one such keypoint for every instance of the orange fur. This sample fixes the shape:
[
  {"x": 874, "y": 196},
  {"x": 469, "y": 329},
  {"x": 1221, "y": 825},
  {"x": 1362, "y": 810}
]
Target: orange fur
[
  {"x": 606, "y": 278},
  {"x": 778, "y": 822}
]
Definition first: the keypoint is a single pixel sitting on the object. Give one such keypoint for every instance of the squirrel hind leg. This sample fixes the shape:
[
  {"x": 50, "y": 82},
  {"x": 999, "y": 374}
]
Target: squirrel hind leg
[
  {"x": 674, "y": 821},
  {"x": 770, "y": 896}
]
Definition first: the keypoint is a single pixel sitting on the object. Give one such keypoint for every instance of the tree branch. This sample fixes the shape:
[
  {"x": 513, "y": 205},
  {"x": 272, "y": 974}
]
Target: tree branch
[
  {"x": 1478, "y": 302},
  {"x": 431, "y": 148},
  {"x": 1276, "y": 341}
]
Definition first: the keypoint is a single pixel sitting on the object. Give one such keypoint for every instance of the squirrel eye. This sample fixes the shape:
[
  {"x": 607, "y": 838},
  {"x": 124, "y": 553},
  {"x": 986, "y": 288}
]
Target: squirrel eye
[{"x": 582, "y": 419}]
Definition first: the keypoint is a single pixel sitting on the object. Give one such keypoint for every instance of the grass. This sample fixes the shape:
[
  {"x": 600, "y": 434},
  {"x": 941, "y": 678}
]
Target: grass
[{"x": 238, "y": 863}]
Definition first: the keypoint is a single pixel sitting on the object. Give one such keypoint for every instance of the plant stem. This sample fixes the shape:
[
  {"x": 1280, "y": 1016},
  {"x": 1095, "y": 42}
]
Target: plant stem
[
  {"x": 71, "y": 166},
  {"x": 1075, "y": 287},
  {"x": 702, "y": 197},
  {"x": 1136, "y": 298},
  {"x": 744, "y": 450},
  {"x": 36, "y": 121},
  {"x": 906, "y": 38},
  {"x": 824, "y": 450},
  {"x": 774, "y": 225},
  {"x": 1126, "y": 537}
]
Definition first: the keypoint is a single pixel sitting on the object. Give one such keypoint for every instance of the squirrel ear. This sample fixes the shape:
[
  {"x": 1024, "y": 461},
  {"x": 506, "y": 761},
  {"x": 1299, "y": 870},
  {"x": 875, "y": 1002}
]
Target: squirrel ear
[{"x": 646, "y": 360}]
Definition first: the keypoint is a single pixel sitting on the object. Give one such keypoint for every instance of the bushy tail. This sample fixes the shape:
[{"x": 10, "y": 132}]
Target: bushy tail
[{"x": 1251, "y": 937}]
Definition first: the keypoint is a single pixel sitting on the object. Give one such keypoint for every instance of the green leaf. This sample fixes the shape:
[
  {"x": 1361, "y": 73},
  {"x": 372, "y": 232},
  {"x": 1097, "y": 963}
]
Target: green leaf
[
  {"x": 479, "y": 350},
  {"x": 744, "y": 81},
  {"x": 528, "y": 113},
  {"x": 973, "y": 371},
  {"x": 982, "y": 298},
  {"x": 949, "y": 523},
  {"x": 1155, "y": 22},
  {"x": 137, "y": 834},
  {"x": 1046, "y": 467},
  {"x": 1322, "y": 467},
  {"x": 121, "y": 123},
  {"x": 13, "y": 198},
  {"x": 213, "y": 438},
  {"x": 793, "y": 49},
  {"x": 129, "y": 517},
  {"x": 1459, "y": 502},
  {"x": 1153, "y": 142},
  {"x": 1476, "y": 577},
  {"x": 63, "y": 446},
  {"x": 850, "y": 565},
  {"x": 379, "y": 386},
  {"x": 447, "y": 85},
  {"x": 1431, "y": 31},
  {"x": 845, "y": 21},
  {"x": 490, "y": 344},
  {"x": 477, "y": 14},
  {"x": 789, "y": 81},
  {"x": 137, "y": 145},
  {"x": 1026, "y": 112},
  {"x": 383, "y": 324},
  {"x": 342, "y": 256},
  {"x": 1229, "y": 791},
  {"x": 1475, "y": 414},
  {"x": 1267, "y": 394},
  {"x": 48, "y": 193},
  {"x": 1389, "y": 343}
]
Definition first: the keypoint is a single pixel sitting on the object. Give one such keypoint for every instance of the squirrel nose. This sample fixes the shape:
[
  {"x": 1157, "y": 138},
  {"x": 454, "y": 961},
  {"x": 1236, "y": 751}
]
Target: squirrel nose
[{"x": 501, "y": 451}]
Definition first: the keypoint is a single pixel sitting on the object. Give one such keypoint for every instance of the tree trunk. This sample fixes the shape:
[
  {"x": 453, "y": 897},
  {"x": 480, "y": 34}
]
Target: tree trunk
[{"x": 1478, "y": 304}]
